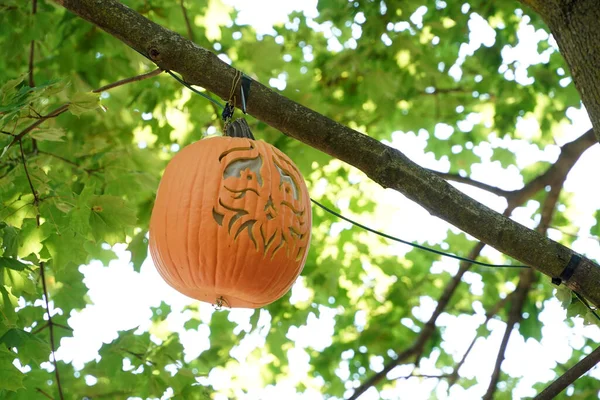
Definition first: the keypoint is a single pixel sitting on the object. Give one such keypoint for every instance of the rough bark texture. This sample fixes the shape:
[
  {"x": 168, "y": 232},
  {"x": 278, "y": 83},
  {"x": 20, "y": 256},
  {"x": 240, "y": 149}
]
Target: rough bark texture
[
  {"x": 385, "y": 165},
  {"x": 574, "y": 24}
]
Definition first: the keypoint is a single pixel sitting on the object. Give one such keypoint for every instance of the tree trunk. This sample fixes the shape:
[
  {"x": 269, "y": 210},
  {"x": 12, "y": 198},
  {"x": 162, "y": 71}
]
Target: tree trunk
[{"x": 574, "y": 24}]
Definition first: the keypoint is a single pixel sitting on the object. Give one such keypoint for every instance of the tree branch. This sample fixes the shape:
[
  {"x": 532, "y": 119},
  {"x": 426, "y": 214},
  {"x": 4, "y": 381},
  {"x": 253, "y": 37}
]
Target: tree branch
[
  {"x": 515, "y": 314},
  {"x": 125, "y": 81},
  {"x": 417, "y": 347},
  {"x": 31, "y": 61},
  {"x": 569, "y": 155},
  {"x": 56, "y": 112},
  {"x": 574, "y": 373},
  {"x": 385, "y": 165},
  {"x": 190, "y": 32},
  {"x": 526, "y": 280},
  {"x": 50, "y": 324},
  {"x": 488, "y": 316}
]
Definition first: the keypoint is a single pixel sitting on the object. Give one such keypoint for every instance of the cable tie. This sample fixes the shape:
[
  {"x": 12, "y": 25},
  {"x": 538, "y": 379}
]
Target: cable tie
[
  {"x": 569, "y": 270},
  {"x": 245, "y": 89}
]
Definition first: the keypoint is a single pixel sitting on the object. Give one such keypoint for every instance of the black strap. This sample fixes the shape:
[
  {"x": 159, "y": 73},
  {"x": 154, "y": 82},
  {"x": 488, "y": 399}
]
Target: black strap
[
  {"x": 246, "y": 81},
  {"x": 569, "y": 270}
]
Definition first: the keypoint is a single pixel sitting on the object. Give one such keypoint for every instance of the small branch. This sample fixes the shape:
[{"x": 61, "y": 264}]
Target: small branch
[
  {"x": 128, "y": 80},
  {"x": 66, "y": 160},
  {"x": 31, "y": 62},
  {"x": 515, "y": 314},
  {"x": 443, "y": 376},
  {"x": 574, "y": 373},
  {"x": 51, "y": 327},
  {"x": 32, "y": 48},
  {"x": 526, "y": 280},
  {"x": 35, "y": 195},
  {"x": 187, "y": 22},
  {"x": 416, "y": 349},
  {"x": 139, "y": 356},
  {"x": 468, "y": 181},
  {"x": 50, "y": 324},
  {"x": 56, "y": 112},
  {"x": 488, "y": 316},
  {"x": 41, "y": 328},
  {"x": 44, "y": 393}
]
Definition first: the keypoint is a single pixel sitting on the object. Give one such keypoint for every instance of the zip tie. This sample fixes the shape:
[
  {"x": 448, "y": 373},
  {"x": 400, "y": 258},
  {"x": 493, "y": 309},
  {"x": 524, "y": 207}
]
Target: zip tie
[
  {"x": 245, "y": 89},
  {"x": 567, "y": 273}
]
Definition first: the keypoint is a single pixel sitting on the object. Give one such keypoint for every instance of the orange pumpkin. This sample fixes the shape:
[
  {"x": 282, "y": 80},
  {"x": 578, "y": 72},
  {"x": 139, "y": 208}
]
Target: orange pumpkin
[{"x": 231, "y": 222}]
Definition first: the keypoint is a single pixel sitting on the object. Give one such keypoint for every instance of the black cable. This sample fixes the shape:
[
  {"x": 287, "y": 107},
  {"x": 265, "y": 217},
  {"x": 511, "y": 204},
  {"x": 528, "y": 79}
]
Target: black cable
[
  {"x": 187, "y": 85},
  {"x": 585, "y": 303},
  {"x": 418, "y": 246}
]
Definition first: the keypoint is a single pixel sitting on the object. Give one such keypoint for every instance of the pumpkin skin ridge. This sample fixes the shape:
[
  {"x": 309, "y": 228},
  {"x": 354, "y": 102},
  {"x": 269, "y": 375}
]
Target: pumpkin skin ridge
[{"x": 272, "y": 278}]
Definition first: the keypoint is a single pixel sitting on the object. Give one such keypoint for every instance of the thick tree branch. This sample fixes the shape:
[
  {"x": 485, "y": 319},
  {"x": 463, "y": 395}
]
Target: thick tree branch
[
  {"x": 385, "y": 165},
  {"x": 574, "y": 373}
]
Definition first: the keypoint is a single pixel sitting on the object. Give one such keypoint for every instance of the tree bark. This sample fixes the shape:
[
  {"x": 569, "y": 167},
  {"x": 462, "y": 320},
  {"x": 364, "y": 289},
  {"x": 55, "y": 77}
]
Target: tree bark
[
  {"x": 574, "y": 24},
  {"x": 385, "y": 165}
]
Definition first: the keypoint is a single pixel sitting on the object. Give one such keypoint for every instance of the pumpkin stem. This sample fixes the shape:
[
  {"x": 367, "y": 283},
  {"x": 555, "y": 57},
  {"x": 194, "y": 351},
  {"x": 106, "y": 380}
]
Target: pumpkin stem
[{"x": 239, "y": 128}]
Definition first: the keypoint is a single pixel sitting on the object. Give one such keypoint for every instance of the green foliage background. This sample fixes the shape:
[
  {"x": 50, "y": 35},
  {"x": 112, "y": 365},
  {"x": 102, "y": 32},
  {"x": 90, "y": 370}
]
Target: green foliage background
[{"x": 97, "y": 168}]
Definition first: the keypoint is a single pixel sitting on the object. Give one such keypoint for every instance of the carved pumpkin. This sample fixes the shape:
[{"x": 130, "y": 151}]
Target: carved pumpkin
[{"x": 231, "y": 222}]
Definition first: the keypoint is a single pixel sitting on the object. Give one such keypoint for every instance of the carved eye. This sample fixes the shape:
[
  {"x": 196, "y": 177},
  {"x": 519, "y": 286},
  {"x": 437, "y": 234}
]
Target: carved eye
[{"x": 249, "y": 177}]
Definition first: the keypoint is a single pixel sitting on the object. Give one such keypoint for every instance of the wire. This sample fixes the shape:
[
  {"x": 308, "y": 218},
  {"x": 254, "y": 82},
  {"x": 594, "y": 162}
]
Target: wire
[
  {"x": 187, "y": 85},
  {"x": 418, "y": 246},
  {"x": 585, "y": 303}
]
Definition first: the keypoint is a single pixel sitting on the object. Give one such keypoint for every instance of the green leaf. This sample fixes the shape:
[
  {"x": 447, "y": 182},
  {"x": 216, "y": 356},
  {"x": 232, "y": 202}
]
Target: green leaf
[
  {"x": 10, "y": 377},
  {"x": 30, "y": 347},
  {"x": 564, "y": 295},
  {"x": 109, "y": 219},
  {"x": 139, "y": 250},
  {"x": 11, "y": 263},
  {"x": 83, "y": 101},
  {"x": 8, "y": 303},
  {"x": 49, "y": 134},
  {"x": 10, "y": 240}
]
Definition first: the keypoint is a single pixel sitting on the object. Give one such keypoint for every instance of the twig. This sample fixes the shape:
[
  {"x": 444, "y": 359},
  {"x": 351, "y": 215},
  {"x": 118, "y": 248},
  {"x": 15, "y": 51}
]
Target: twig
[
  {"x": 54, "y": 113},
  {"x": 50, "y": 324},
  {"x": 526, "y": 280},
  {"x": 139, "y": 356},
  {"x": 443, "y": 376},
  {"x": 31, "y": 62},
  {"x": 187, "y": 22},
  {"x": 32, "y": 48},
  {"x": 41, "y": 328},
  {"x": 66, "y": 160},
  {"x": 583, "y": 366},
  {"x": 515, "y": 315},
  {"x": 488, "y": 316},
  {"x": 128, "y": 80},
  {"x": 51, "y": 327},
  {"x": 44, "y": 393},
  {"x": 416, "y": 349}
]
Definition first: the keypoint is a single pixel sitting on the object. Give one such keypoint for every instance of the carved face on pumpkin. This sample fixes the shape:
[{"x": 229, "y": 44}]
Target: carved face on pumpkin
[{"x": 261, "y": 198}]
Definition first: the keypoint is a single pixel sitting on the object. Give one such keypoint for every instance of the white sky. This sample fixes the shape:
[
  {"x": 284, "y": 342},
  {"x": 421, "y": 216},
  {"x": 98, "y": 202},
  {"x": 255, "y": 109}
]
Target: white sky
[{"x": 121, "y": 298}]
